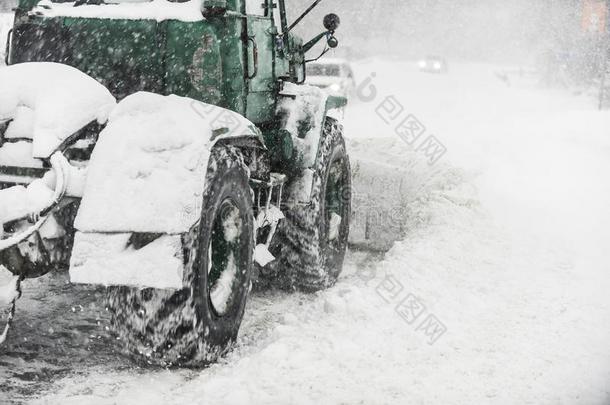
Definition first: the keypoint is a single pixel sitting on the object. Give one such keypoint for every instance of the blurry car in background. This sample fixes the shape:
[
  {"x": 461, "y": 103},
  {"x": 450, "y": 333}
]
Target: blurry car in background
[
  {"x": 433, "y": 64},
  {"x": 332, "y": 75}
]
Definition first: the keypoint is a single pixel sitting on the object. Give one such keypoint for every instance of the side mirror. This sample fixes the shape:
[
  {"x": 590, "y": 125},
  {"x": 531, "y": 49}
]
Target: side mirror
[
  {"x": 333, "y": 42},
  {"x": 332, "y": 22},
  {"x": 213, "y": 8}
]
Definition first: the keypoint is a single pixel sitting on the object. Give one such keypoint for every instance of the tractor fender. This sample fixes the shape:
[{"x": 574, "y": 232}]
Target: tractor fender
[
  {"x": 146, "y": 178},
  {"x": 150, "y": 161},
  {"x": 304, "y": 110}
]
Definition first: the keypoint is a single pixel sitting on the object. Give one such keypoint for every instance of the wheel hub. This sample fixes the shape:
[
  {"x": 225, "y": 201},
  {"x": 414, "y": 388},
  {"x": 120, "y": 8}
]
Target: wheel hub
[{"x": 223, "y": 257}]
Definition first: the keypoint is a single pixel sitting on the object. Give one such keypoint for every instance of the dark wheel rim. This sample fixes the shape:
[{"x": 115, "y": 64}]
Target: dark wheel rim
[
  {"x": 336, "y": 204},
  {"x": 224, "y": 258}
]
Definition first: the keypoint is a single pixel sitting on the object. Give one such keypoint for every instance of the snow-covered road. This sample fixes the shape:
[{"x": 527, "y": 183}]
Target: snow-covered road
[{"x": 504, "y": 268}]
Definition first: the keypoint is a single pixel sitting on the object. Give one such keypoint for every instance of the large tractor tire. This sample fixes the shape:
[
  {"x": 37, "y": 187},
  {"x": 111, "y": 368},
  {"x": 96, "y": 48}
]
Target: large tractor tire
[
  {"x": 197, "y": 324},
  {"x": 311, "y": 242}
]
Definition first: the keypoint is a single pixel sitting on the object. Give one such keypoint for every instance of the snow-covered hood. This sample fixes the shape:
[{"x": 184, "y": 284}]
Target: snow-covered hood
[
  {"x": 49, "y": 102},
  {"x": 147, "y": 171}
]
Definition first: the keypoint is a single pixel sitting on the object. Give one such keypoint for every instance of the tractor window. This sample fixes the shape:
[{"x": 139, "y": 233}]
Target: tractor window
[
  {"x": 256, "y": 7},
  {"x": 277, "y": 19}
]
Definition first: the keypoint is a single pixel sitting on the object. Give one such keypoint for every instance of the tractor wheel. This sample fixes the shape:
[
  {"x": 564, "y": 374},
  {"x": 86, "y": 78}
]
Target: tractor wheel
[
  {"x": 197, "y": 324},
  {"x": 311, "y": 242}
]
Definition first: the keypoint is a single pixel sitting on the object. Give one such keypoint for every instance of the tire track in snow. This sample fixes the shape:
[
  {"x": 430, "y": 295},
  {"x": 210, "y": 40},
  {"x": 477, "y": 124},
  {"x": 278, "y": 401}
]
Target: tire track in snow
[{"x": 61, "y": 332}]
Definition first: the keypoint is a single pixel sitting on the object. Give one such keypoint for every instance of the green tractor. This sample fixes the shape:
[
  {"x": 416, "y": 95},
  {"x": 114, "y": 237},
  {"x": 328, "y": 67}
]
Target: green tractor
[{"x": 169, "y": 150}]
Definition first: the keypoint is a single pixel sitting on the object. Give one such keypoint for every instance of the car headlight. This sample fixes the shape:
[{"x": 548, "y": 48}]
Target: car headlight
[
  {"x": 335, "y": 87},
  {"x": 422, "y": 64},
  {"x": 437, "y": 65}
]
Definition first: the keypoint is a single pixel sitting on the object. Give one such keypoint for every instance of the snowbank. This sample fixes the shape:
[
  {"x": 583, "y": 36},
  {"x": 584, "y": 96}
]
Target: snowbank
[
  {"x": 147, "y": 170},
  {"x": 62, "y": 100},
  {"x": 159, "y": 10},
  {"x": 387, "y": 177}
]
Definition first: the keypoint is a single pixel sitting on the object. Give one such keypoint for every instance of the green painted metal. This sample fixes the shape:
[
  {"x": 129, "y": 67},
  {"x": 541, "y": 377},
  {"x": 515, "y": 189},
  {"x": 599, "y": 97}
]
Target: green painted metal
[
  {"x": 281, "y": 147},
  {"x": 194, "y": 68},
  {"x": 262, "y": 87},
  {"x": 27, "y": 4},
  {"x": 333, "y": 102},
  {"x": 233, "y": 60},
  {"x": 134, "y": 63}
]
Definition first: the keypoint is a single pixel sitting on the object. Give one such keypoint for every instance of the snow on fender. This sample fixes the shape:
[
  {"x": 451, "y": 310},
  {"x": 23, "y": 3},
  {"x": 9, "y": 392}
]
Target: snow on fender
[
  {"x": 147, "y": 169},
  {"x": 49, "y": 102},
  {"x": 146, "y": 175},
  {"x": 306, "y": 104}
]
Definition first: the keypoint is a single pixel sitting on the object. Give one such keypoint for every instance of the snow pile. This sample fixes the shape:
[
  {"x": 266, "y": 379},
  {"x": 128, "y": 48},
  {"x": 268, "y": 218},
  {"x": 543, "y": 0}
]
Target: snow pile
[
  {"x": 306, "y": 110},
  {"x": 387, "y": 177},
  {"x": 159, "y": 10},
  {"x": 147, "y": 170},
  {"x": 18, "y": 154},
  {"x": 18, "y": 201},
  {"x": 22, "y": 126},
  {"x": 61, "y": 100}
]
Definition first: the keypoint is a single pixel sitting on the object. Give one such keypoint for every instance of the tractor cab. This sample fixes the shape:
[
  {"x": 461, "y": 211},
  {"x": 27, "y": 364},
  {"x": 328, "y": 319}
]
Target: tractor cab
[{"x": 235, "y": 54}]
